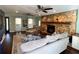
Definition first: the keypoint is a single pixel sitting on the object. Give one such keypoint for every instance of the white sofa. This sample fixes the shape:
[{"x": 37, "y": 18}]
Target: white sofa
[
  {"x": 52, "y": 48},
  {"x": 53, "y": 44}
]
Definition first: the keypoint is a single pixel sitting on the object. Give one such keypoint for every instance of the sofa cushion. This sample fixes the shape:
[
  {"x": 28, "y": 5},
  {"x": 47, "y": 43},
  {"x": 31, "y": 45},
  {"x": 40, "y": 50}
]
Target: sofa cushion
[
  {"x": 32, "y": 45},
  {"x": 62, "y": 35},
  {"x": 30, "y": 38},
  {"x": 51, "y": 38}
]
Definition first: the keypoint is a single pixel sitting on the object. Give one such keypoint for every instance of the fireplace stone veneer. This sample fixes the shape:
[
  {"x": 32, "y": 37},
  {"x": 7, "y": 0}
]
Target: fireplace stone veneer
[{"x": 63, "y": 22}]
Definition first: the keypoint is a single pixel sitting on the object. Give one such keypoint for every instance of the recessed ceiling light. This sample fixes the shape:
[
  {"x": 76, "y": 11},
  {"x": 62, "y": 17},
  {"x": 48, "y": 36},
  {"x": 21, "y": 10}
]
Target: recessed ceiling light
[{"x": 17, "y": 11}]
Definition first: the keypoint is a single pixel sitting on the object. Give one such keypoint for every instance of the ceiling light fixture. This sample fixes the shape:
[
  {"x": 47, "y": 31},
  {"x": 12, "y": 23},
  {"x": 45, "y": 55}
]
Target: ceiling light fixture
[{"x": 17, "y": 11}]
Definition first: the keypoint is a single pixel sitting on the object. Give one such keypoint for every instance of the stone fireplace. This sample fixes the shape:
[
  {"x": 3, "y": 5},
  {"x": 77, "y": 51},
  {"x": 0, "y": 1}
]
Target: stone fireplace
[
  {"x": 63, "y": 22},
  {"x": 50, "y": 29}
]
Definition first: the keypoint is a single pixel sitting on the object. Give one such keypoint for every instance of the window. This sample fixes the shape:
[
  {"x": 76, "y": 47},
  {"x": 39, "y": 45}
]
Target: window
[
  {"x": 30, "y": 23},
  {"x": 7, "y": 23},
  {"x": 7, "y": 27},
  {"x": 18, "y": 24},
  {"x": 39, "y": 23},
  {"x": 18, "y": 20}
]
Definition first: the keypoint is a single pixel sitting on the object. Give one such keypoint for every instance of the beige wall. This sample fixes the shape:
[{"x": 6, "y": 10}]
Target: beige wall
[
  {"x": 24, "y": 17},
  {"x": 12, "y": 21},
  {"x": 12, "y": 24}
]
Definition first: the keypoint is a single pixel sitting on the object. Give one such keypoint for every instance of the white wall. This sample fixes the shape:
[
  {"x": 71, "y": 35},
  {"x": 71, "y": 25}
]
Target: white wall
[
  {"x": 75, "y": 42},
  {"x": 77, "y": 25}
]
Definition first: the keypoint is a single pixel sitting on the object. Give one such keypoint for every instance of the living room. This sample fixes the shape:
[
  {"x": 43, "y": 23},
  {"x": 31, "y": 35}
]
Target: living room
[{"x": 40, "y": 22}]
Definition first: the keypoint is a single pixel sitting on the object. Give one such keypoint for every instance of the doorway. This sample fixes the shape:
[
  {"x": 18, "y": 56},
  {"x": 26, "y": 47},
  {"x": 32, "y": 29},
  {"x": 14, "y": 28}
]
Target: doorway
[{"x": 7, "y": 26}]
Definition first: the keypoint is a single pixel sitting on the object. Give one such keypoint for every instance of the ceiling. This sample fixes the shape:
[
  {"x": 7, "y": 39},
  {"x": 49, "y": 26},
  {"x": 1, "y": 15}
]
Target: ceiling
[{"x": 33, "y": 10}]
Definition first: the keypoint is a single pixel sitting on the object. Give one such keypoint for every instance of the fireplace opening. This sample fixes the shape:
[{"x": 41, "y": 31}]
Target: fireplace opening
[{"x": 50, "y": 29}]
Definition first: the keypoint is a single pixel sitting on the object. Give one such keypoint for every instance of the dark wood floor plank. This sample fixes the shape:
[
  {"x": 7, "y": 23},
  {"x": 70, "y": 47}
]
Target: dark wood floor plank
[
  {"x": 7, "y": 44},
  {"x": 70, "y": 50}
]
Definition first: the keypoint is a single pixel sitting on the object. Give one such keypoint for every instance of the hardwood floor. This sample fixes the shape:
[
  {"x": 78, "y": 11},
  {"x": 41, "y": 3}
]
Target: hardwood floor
[
  {"x": 6, "y": 47},
  {"x": 1, "y": 49},
  {"x": 70, "y": 50}
]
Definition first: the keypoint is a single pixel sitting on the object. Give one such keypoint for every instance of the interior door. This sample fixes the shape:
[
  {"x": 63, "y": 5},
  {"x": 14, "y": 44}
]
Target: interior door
[{"x": 7, "y": 26}]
